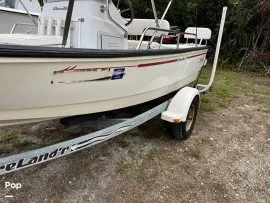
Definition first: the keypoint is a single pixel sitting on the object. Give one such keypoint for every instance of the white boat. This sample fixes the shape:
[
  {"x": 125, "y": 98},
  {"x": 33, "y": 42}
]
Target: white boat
[
  {"x": 14, "y": 18},
  {"x": 98, "y": 69}
]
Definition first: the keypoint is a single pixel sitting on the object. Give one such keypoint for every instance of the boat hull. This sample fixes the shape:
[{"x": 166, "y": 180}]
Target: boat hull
[{"x": 36, "y": 89}]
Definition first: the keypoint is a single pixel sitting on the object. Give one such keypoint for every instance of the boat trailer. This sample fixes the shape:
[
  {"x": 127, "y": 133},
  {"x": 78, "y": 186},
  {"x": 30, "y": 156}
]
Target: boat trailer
[
  {"x": 34, "y": 157},
  {"x": 181, "y": 111}
]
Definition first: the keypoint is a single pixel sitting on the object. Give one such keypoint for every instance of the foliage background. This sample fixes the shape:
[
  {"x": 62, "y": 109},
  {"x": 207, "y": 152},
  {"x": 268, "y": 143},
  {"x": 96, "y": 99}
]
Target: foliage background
[{"x": 246, "y": 35}]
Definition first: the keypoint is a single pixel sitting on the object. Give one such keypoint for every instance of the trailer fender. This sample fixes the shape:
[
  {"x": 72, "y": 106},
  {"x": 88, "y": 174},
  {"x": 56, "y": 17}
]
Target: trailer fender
[{"x": 177, "y": 110}]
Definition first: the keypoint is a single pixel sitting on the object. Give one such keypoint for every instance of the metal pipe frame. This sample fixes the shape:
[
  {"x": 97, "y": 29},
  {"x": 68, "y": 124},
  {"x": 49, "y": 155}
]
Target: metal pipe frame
[
  {"x": 159, "y": 30},
  {"x": 113, "y": 21},
  {"x": 205, "y": 88},
  {"x": 155, "y": 13},
  {"x": 161, "y": 40},
  {"x": 16, "y": 24},
  {"x": 156, "y": 18},
  {"x": 68, "y": 22},
  {"x": 166, "y": 10},
  {"x": 28, "y": 13}
]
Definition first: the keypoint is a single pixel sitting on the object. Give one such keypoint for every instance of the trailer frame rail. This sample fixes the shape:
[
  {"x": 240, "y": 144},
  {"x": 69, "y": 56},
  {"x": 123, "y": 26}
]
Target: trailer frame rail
[{"x": 26, "y": 159}]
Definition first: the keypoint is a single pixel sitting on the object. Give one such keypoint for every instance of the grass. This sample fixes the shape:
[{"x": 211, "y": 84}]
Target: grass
[
  {"x": 8, "y": 138},
  {"x": 141, "y": 173},
  {"x": 152, "y": 153},
  {"x": 23, "y": 143},
  {"x": 229, "y": 84},
  {"x": 121, "y": 168},
  {"x": 13, "y": 140},
  {"x": 4, "y": 150},
  {"x": 139, "y": 170},
  {"x": 196, "y": 153}
]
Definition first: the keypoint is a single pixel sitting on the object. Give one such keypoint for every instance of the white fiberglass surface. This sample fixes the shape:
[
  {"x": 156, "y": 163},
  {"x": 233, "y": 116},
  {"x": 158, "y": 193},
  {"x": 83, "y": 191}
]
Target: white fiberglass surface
[
  {"x": 38, "y": 82},
  {"x": 132, "y": 44}
]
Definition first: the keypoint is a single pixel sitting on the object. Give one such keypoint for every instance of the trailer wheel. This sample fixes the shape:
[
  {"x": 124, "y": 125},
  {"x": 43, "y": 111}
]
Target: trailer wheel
[{"x": 183, "y": 130}]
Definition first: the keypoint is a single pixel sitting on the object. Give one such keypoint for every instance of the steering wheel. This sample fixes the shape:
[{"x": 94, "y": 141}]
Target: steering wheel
[{"x": 126, "y": 10}]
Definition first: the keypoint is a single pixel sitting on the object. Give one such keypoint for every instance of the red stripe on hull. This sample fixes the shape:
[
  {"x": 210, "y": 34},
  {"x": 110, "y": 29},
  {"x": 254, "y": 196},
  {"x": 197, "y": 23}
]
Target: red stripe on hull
[
  {"x": 74, "y": 68},
  {"x": 156, "y": 63}
]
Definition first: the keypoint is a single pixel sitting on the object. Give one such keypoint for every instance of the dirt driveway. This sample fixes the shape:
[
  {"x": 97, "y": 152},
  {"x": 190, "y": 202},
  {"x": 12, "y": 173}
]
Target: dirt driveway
[{"x": 226, "y": 160}]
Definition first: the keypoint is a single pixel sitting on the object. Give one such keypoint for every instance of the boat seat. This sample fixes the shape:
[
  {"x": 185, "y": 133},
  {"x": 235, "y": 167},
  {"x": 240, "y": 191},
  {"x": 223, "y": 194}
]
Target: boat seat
[
  {"x": 138, "y": 25},
  {"x": 30, "y": 40},
  {"x": 202, "y": 33}
]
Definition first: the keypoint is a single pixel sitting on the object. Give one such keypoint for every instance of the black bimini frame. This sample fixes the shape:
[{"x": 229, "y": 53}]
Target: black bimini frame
[{"x": 67, "y": 22}]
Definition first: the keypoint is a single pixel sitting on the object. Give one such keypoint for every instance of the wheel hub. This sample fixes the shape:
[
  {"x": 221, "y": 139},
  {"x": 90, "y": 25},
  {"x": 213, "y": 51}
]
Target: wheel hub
[{"x": 190, "y": 117}]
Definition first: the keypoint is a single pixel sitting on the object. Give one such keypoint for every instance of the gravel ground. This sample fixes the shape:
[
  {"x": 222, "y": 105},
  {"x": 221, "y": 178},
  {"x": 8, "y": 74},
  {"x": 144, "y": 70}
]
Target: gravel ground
[{"x": 226, "y": 160}]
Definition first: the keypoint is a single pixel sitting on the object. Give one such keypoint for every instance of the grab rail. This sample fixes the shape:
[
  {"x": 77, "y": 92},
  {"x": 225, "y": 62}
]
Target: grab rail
[
  {"x": 28, "y": 13},
  {"x": 161, "y": 30},
  {"x": 111, "y": 19},
  {"x": 27, "y": 24}
]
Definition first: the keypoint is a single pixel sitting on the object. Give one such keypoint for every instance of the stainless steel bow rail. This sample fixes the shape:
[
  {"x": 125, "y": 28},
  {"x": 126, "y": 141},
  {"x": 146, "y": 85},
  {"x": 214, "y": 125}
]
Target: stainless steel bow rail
[
  {"x": 177, "y": 32},
  {"x": 38, "y": 156}
]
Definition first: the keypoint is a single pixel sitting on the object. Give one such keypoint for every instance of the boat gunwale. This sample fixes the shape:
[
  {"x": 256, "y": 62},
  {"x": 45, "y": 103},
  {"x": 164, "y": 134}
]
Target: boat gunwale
[{"x": 58, "y": 52}]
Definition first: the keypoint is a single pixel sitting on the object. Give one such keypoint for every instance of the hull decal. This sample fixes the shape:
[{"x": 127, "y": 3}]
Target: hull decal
[
  {"x": 74, "y": 74},
  {"x": 167, "y": 62},
  {"x": 118, "y": 74},
  {"x": 101, "y": 138},
  {"x": 83, "y": 81},
  {"x": 76, "y": 69}
]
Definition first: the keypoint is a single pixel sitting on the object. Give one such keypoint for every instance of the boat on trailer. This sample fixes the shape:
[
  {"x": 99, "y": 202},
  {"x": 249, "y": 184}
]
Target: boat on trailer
[
  {"x": 75, "y": 69},
  {"x": 97, "y": 69}
]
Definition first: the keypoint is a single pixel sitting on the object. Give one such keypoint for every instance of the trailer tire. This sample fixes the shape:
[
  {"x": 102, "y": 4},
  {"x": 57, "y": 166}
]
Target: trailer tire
[{"x": 183, "y": 130}]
